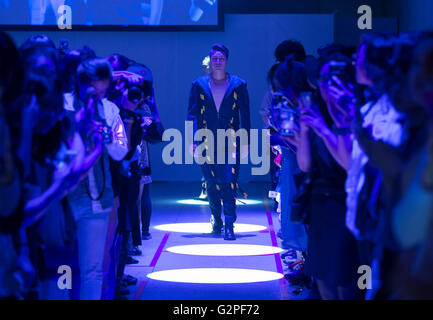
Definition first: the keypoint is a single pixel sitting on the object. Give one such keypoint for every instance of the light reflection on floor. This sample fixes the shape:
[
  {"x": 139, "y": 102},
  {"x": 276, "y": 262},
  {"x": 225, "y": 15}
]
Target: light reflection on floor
[
  {"x": 215, "y": 275},
  {"x": 206, "y": 203},
  {"x": 228, "y": 250},
  {"x": 206, "y": 227}
]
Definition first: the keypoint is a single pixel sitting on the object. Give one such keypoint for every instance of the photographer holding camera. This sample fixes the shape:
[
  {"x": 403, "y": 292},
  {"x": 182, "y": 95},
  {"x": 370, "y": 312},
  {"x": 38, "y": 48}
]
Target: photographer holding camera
[
  {"x": 136, "y": 99},
  {"x": 334, "y": 271},
  {"x": 375, "y": 123},
  {"x": 104, "y": 136},
  {"x": 282, "y": 114}
]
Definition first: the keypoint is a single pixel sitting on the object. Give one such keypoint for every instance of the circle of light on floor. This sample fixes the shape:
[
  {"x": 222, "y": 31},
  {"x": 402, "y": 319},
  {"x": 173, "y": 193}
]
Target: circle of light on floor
[
  {"x": 225, "y": 250},
  {"x": 215, "y": 275},
  {"x": 206, "y": 227},
  {"x": 206, "y": 203}
]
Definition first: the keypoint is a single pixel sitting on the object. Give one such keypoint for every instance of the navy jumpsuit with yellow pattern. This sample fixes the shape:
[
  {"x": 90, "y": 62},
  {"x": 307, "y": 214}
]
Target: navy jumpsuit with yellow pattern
[{"x": 234, "y": 113}]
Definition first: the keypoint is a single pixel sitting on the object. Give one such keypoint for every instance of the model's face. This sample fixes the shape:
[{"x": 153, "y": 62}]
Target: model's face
[{"x": 218, "y": 62}]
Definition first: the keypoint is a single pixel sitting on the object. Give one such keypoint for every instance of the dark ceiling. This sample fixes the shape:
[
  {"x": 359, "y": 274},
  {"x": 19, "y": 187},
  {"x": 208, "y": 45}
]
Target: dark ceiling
[{"x": 343, "y": 8}]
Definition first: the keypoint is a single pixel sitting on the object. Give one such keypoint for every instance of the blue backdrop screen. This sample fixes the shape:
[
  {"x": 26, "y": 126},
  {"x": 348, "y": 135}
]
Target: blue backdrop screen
[{"x": 103, "y": 13}]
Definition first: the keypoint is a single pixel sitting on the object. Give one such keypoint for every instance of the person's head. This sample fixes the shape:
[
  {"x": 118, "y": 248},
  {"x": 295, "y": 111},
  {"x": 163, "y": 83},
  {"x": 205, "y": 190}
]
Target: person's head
[
  {"x": 69, "y": 65},
  {"x": 312, "y": 67},
  {"x": 206, "y": 65},
  {"x": 219, "y": 55},
  {"x": 396, "y": 82},
  {"x": 11, "y": 71},
  {"x": 330, "y": 49},
  {"x": 291, "y": 79},
  {"x": 134, "y": 96},
  {"x": 37, "y": 41},
  {"x": 421, "y": 75},
  {"x": 421, "y": 86},
  {"x": 334, "y": 65},
  {"x": 373, "y": 58},
  {"x": 118, "y": 62},
  {"x": 290, "y": 47},
  {"x": 63, "y": 48},
  {"x": 86, "y": 52},
  {"x": 41, "y": 65},
  {"x": 42, "y": 81},
  {"x": 94, "y": 77},
  {"x": 271, "y": 77}
]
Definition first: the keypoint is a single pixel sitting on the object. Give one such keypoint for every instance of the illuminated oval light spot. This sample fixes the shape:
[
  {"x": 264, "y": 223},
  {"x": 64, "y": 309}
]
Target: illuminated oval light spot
[
  {"x": 215, "y": 275},
  {"x": 206, "y": 227},
  {"x": 225, "y": 250},
  {"x": 205, "y": 203}
]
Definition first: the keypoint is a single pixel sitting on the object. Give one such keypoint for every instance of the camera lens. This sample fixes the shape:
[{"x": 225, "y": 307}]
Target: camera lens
[{"x": 135, "y": 94}]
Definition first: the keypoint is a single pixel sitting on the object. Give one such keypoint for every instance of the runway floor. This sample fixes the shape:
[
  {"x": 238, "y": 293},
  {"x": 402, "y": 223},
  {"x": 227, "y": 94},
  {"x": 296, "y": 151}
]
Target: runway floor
[{"x": 171, "y": 205}]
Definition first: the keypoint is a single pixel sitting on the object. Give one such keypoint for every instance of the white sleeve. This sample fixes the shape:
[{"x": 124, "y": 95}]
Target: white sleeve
[{"x": 119, "y": 147}]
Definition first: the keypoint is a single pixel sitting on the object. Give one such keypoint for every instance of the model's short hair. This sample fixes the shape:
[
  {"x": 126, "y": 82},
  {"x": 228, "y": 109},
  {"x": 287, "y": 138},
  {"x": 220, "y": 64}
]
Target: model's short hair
[
  {"x": 93, "y": 70},
  {"x": 221, "y": 48}
]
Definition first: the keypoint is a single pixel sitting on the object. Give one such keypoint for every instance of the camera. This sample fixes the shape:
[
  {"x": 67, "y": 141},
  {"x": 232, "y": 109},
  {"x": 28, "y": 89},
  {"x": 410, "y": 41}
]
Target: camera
[
  {"x": 107, "y": 134},
  {"x": 338, "y": 69},
  {"x": 284, "y": 116},
  {"x": 137, "y": 79},
  {"x": 141, "y": 169},
  {"x": 137, "y": 92},
  {"x": 137, "y": 115},
  {"x": 131, "y": 168},
  {"x": 61, "y": 158}
]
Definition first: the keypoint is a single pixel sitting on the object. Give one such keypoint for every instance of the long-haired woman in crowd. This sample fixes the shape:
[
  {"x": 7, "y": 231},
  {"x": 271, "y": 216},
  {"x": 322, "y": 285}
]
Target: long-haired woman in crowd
[
  {"x": 16, "y": 271},
  {"x": 36, "y": 121},
  {"x": 411, "y": 220}
]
